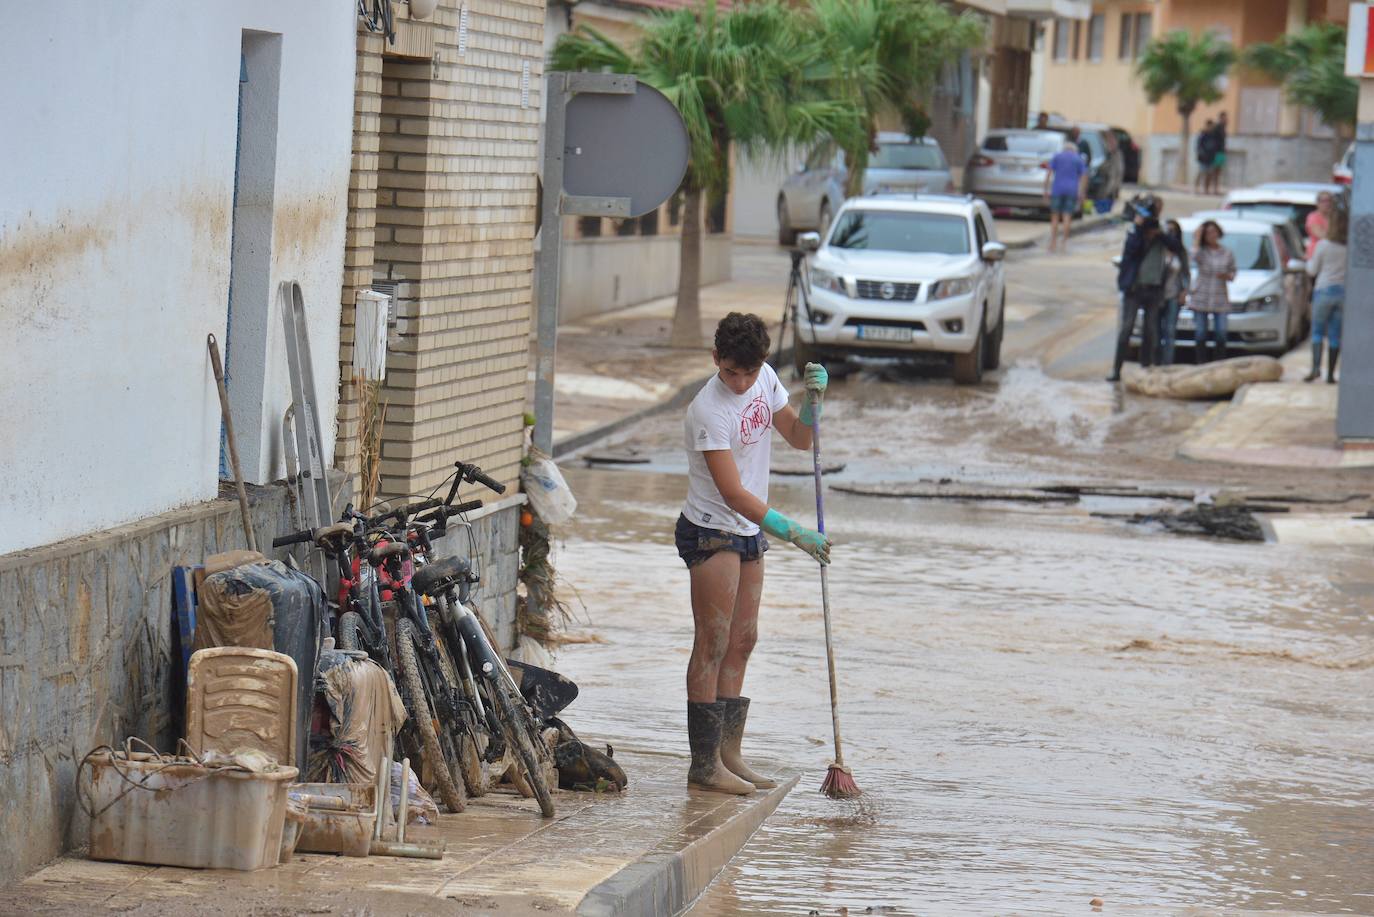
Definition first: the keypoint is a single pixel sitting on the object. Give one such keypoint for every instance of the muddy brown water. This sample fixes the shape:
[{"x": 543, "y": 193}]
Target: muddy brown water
[{"x": 1042, "y": 707}]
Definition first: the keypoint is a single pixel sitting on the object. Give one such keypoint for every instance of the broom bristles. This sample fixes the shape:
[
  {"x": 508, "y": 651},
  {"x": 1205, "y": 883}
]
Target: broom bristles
[{"x": 839, "y": 783}]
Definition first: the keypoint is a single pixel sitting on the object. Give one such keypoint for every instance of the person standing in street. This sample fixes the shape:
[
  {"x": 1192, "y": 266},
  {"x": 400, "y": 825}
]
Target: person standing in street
[
  {"x": 728, "y": 435},
  {"x": 1065, "y": 183},
  {"x": 1205, "y": 150},
  {"x": 1140, "y": 280},
  {"x": 1213, "y": 267},
  {"x": 1176, "y": 282},
  {"x": 1218, "y": 155},
  {"x": 1317, "y": 221},
  {"x": 1327, "y": 265}
]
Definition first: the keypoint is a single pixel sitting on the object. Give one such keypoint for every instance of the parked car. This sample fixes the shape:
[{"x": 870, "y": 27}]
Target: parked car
[
  {"x": 1130, "y": 155},
  {"x": 1266, "y": 317},
  {"x": 899, "y": 275},
  {"x": 1294, "y": 200},
  {"x": 811, "y": 195},
  {"x": 1343, "y": 172},
  {"x": 1008, "y": 169}
]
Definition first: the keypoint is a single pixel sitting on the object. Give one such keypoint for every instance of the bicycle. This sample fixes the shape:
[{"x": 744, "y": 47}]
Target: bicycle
[{"x": 494, "y": 713}]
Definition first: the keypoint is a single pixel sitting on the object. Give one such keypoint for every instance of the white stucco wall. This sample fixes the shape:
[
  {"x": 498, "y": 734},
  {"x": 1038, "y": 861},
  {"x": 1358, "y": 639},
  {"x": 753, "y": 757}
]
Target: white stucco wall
[{"x": 115, "y": 218}]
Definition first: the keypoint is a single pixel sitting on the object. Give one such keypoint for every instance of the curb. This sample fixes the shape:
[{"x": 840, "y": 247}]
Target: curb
[
  {"x": 665, "y": 884},
  {"x": 1078, "y": 227}
]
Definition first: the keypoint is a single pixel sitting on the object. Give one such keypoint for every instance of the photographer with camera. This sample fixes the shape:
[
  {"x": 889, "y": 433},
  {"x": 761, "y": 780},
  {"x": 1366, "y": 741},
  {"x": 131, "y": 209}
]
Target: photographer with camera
[{"x": 1140, "y": 280}]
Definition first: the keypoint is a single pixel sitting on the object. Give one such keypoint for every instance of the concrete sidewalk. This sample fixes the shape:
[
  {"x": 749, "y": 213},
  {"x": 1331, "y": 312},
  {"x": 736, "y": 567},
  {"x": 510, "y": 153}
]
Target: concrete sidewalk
[
  {"x": 1288, "y": 423},
  {"x": 649, "y": 851}
]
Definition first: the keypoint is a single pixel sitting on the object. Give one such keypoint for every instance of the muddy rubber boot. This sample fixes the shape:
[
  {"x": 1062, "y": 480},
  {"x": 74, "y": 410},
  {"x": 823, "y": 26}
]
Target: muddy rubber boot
[
  {"x": 731, "y": 735},
  {"x": 1316, "y": 362},
  {"x": 1332, "y": 355},
  {"x": 703, "y": 734}
]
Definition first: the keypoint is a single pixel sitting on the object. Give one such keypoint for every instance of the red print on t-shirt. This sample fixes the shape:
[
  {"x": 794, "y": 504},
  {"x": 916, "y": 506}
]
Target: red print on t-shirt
[{"x": 755, "y": 421}]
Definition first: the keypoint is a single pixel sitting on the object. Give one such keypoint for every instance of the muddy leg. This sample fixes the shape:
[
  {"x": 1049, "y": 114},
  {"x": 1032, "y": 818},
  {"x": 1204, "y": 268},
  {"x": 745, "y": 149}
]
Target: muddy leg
[
  {"x": 714, "y": 584},
  {"x": 744, "y": 629}
]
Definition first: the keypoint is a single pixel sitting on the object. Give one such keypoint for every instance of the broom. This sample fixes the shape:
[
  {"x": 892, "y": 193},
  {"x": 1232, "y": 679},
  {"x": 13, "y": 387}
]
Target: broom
[{"x": 839, "y": 780}]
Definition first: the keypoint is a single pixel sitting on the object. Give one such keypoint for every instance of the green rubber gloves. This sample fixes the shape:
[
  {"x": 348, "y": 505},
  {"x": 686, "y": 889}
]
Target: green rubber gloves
[
  {"x": 816, "y": 379},
  {"x": 809, "y": 540}
]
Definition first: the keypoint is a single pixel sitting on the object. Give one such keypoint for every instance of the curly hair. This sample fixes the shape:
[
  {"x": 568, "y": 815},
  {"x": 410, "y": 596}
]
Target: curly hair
[{"x": 742, "y": 338}]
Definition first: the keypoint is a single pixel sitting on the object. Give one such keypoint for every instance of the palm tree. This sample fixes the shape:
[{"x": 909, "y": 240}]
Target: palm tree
[
  {"x": 738, "y": 77},
  {"x": 882, "y": 57},
  {"x": 1188, "y": 69},
  {"x": 1310, "y": 64}
]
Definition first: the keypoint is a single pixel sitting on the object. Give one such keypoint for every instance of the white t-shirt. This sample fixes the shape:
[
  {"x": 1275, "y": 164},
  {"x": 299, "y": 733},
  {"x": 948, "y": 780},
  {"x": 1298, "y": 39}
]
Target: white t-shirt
[{"x": 719, "y": 419}]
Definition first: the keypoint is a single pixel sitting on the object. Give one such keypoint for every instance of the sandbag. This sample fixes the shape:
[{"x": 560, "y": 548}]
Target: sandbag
[
  {"x": 1210, "y": 380},
  {"x": 232, "y": 613}
]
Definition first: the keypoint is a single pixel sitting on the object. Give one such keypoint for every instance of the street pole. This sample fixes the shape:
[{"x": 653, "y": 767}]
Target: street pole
[
  {"x": 550, "y": 250},
  {"x": 1355, "y": 401}
]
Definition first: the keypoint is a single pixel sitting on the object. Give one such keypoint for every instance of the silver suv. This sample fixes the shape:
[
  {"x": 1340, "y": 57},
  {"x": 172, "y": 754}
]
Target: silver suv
[{"x": 903, "y": 274}]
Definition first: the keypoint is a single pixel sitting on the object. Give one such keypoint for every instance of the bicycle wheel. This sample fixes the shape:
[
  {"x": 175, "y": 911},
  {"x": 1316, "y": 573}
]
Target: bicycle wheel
[
  {"x": 349, "y": 625},
  {"x": 468, "y": 739},
  {"x": 520, "y": 733},
  {"x": 446, "y": 778}
]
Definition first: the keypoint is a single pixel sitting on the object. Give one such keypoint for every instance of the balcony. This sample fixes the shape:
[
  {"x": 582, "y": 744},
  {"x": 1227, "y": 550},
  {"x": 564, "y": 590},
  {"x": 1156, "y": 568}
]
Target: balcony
[{"x": 1046, "y": 9}]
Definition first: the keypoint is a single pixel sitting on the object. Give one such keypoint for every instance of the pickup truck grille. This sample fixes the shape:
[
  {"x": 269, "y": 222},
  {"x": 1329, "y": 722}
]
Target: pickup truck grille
[{"x": 900, "y": 292}]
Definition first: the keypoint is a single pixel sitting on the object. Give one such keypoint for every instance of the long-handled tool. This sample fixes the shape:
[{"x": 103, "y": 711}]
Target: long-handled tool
[
  {"x": 218, "y": 367},
  {"x": 839, "y": 780}
]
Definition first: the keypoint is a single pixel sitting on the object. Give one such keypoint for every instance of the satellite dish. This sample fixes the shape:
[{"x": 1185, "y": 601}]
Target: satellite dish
[{"x": 627, "y": 146}]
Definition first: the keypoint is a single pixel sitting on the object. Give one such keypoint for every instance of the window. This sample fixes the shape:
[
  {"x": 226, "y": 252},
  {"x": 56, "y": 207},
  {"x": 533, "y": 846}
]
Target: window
[
  {"x": 648, "y": 224},
  {"x": 1036, "y": 143},
  {"x": 1077, "y": 33},
  {"x": 1097, "y": 36},
  {"x": 1253, "y": 253},
  {"x": 1061, "y": 40},
  {"x": 1143, "y": 26},
  {"x": 626, "y": 227},
  {"x": 1135, "y": 35},
  {"x": 894, "y": 231},
  {"x": 980, "y": 231},
  {"x": 907, "y": 156},
  {"x": 589, "y": 227}
]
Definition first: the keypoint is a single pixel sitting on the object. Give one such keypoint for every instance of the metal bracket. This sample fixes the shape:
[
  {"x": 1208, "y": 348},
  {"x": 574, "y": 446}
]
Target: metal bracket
[
  {"x": 605, "y": 83},
  {"x": 574, "y": 205}
]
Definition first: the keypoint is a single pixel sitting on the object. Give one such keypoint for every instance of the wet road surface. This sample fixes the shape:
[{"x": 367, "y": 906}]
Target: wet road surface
[{"x": 1042, "y": 706}]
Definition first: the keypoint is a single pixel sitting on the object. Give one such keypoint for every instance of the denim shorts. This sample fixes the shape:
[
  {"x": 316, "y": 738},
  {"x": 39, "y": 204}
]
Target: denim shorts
[
  {"x": 1063, "y": 203},
  {"x": 696, "y": 544}
]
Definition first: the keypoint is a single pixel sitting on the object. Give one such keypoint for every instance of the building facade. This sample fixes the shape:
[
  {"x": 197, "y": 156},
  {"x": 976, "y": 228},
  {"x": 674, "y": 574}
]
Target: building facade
[
  {"x": 147, "y": 200},
  {"x": 151, "y": 199},
  {"x": 1086, "y": 72}
]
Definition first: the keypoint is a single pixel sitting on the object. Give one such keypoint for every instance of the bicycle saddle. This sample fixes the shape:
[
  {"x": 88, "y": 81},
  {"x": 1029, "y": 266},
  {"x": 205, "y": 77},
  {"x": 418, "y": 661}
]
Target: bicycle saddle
[
  {"x": 330, "y": 532},
  {"x": 382, "y": 552},
  {"x": 434, "y": 578}
]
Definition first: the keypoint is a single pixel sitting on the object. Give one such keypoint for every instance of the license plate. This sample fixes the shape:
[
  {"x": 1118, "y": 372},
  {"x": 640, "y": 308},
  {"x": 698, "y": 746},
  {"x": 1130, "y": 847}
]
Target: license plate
[{"x": 883, "y": 333}]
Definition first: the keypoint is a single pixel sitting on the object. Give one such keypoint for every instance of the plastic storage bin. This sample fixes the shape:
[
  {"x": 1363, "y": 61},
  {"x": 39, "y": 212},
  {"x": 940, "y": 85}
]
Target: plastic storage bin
[
  {"x": 171, "y": 811},
  {"x": 346, "y": 830}
]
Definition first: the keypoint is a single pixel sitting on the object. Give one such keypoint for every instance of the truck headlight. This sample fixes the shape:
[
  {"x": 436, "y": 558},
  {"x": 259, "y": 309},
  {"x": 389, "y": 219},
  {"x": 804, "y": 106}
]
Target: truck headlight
[
  {"x": 824, "y": 280},
  {"x": 954, "y": 286},
  {"x": 1268, "y": 303}
]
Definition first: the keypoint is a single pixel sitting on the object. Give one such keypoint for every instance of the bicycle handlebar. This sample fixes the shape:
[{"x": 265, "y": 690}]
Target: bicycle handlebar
[
  {"x": 443, "y": 513},
  {"x": 297, "y": 538},
  {"x": 401, "y": 513}
]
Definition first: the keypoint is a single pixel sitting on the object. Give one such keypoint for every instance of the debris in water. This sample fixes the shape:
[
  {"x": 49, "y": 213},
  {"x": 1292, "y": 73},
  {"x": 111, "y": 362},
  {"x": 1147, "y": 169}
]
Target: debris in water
[
  {"x": 933, "y": 490},
  {"x": 1096, "y": 902},
  {"x": 1233, "y": 523}
]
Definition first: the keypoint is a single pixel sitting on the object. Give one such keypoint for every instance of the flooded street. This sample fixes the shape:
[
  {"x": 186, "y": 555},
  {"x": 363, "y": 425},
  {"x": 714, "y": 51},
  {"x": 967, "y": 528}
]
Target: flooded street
[{"x": 1042, "y": 706}]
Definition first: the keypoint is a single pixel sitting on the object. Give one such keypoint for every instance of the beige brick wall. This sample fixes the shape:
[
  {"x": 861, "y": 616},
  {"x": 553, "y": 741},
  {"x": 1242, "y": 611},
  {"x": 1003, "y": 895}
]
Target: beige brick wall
[{"x": 445, "y": 158}]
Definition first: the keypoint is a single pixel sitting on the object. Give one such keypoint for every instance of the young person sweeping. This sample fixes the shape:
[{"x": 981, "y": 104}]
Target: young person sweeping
[{"x": 728, "y": 436}]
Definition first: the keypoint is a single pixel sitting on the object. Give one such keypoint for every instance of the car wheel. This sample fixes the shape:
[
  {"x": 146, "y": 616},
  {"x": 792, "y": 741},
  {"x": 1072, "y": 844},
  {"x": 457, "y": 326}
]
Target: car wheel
[
  {"x": 992, "y": 359},
  {"x": 787, "y": 235},
  {"x": 824, "y": 219},
  {"x": 968, "y": 367}
]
